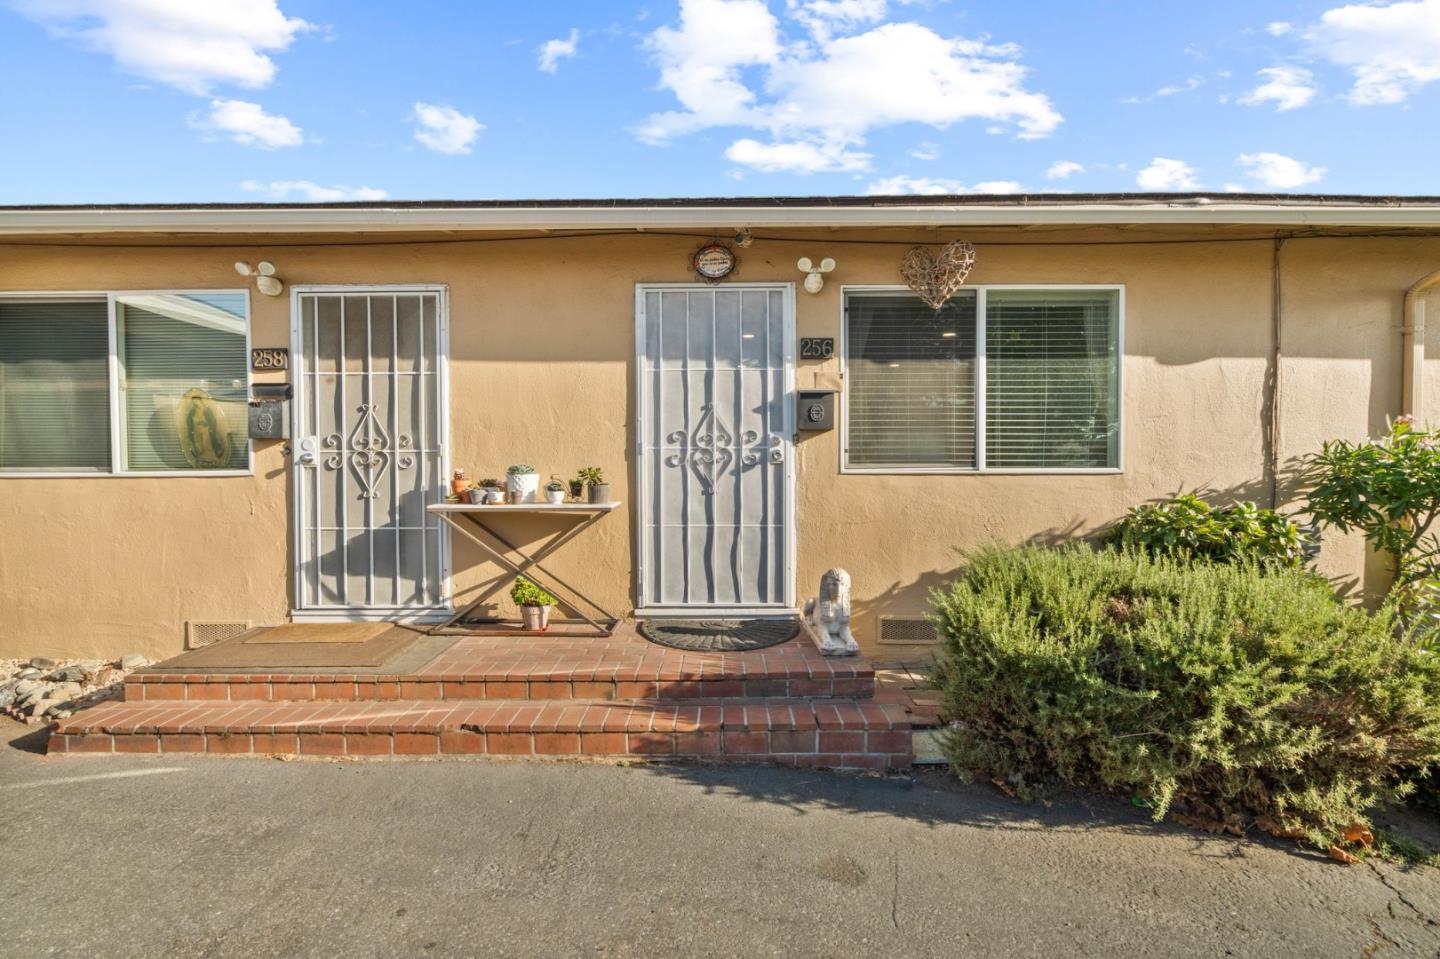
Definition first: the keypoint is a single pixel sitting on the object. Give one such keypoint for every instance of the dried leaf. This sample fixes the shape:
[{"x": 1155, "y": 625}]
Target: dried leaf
[
  {"x": 1340, "y": 855},
  {"x": 1004, "y": 787},
  {"x": 1358, "y": 832}
]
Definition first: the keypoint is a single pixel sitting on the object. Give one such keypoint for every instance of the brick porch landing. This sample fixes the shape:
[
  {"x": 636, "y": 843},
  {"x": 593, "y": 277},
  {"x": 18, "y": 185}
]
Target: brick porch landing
[{"x": 522, "y": 696}]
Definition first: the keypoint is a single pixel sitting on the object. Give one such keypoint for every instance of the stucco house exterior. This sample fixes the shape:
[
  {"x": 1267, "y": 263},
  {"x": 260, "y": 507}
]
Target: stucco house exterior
[{"x": 1105, "y": 350}]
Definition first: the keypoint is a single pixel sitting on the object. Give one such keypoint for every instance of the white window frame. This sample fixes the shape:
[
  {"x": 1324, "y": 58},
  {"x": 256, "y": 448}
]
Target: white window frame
[
  {"x": 980, "y": 469},
  {"x": 117, "y": 439}
]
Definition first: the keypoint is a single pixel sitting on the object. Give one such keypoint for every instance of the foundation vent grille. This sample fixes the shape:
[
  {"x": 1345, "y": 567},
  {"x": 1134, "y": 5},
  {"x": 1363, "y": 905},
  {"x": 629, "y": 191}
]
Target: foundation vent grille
[
  {"x": 209, "y": 632},
  {"x": 907, "y": 630}
]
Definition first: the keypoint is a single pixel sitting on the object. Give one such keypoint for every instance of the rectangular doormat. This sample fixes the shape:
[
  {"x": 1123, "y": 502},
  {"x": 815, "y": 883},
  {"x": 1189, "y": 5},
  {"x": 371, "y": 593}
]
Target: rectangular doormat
[
  {"x": 317, "y": 633},
  {"x": 386, "y": 642}
]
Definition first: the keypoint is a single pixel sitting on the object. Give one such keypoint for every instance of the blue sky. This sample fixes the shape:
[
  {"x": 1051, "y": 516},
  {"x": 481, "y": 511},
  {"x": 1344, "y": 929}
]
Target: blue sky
[{"x": 235, "y": 100}]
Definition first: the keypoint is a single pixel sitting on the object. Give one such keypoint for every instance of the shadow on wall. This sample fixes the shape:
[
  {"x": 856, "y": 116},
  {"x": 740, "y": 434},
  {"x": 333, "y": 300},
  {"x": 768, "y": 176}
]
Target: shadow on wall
[{"x": 912, "y": 599}]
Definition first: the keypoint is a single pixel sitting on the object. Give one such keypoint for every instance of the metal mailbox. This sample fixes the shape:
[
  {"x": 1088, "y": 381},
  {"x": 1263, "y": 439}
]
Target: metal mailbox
[
  {"x": 270, "y": 411},
  {"x": 815, "y": 409}
]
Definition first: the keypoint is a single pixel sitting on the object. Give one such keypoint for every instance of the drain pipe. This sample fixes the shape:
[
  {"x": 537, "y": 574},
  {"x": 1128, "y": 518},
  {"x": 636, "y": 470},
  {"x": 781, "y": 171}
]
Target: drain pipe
[{"x": 1412, "y": 345}]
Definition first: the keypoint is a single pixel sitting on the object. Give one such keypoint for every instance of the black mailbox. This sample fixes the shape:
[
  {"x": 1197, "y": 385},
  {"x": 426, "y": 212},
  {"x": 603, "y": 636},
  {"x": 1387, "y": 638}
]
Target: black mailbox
[
  {"x": 815, "y": 409},
  {"x": 270, "y": 411}
]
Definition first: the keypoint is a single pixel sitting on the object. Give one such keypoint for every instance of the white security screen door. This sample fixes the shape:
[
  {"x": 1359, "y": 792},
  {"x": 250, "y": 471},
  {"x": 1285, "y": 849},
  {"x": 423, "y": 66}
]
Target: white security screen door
[
  {"x": 369, "y": 452},
  {"x": 715, "y": 379}
]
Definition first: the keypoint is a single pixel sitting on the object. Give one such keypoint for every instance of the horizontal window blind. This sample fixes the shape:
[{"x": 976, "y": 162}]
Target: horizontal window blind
[
  {"x": 910, "y": 381},
  {"x": 1052, "y": 373},
  {"x": 54, "y": 386},
  {"x": 183, "y": 381}
]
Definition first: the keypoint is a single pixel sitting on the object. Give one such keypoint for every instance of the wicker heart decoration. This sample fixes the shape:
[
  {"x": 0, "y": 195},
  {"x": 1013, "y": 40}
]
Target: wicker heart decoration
[{"x": 935, "y": 277}]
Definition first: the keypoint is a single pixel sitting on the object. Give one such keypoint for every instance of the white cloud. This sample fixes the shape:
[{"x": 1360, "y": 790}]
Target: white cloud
[
  {"x": 926, "y": 151},
  {"x": 1390, "y": 49},
  {"x": 1279, "y": 172},
  {"x": 248, "y": 123},
  {"x": 1063, "y": 170},
  {"x": 445, "y": 129},
  {"x": 1191, "y": 83},
  {"x": 729, "y": 63},
  {"x": 192, "y": 45},
  {"x": 796, "y": 157},
  {"x": 553, "y": 51},
  {"x": 312, "y": 192},
  {"x": 1166, "y": 174},
  {"x": 937, "y": 186},
  {"x": 1289, "y": 88},
  {"x": 1278, "y": 28},
  {"x": 823, "y": 17}
]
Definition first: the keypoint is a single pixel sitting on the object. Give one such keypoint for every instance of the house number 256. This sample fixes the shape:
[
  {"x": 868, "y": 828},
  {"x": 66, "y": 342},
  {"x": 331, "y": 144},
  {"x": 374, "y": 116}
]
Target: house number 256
[
  {"x": 817, "y": 347},
  {"x": 275, "y": 358}
]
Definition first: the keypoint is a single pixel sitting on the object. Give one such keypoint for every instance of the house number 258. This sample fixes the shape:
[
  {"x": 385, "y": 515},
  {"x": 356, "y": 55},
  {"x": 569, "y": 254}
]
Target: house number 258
[{"x": 275, "y": 358}]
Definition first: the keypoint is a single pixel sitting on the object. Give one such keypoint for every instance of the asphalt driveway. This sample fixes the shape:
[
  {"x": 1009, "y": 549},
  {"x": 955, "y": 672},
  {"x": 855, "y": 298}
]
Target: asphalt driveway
[{"x": 177, "y": 857}]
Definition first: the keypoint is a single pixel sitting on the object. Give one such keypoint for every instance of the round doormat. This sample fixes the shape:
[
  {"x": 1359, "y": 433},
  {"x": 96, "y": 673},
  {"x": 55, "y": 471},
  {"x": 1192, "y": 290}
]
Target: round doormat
[{"x": 719, "y": 635}]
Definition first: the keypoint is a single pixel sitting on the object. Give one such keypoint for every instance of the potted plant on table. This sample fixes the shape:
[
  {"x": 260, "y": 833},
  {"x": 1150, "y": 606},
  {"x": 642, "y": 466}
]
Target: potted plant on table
[
  {"x": 577, "y": 488},
  {"x": 535, "y": 604},
  {"x": 522, "y": 483},
  {"x": 594, "y": 478},
  {"x": 494, "y": 493},
  {"x": 555, "y": 491}
]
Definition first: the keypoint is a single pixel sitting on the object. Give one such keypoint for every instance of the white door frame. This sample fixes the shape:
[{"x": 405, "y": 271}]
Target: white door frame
[
  {"x": 399, "y": 614},
  {"x": 642, "y": 481}
]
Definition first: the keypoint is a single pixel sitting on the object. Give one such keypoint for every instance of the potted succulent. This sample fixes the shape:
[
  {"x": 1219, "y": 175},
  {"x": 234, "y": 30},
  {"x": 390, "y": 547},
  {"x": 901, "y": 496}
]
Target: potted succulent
[
  {"x": 459, "y": 482},
  {"x": 577, "y": 488},
  {"x": 522, "y": 483},
  {"x": 474, "y": 496},
  {"x": 535, "y": 604},
  {"x": 595, "y": 479},
  {"x": 492, "y": 491},
  {"x": 555, "y": 491}
]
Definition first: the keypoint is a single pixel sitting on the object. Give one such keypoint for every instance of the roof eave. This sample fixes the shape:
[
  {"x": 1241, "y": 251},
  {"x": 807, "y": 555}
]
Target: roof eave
[{"x": 459, "y": 219}]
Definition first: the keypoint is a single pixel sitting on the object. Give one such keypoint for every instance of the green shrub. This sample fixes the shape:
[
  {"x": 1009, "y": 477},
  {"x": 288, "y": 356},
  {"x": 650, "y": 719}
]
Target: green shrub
[
  {"x": 1389, "y": 490},
  {"x": 1190, "y": 528},
  {"x": 1236, "y": 695},
  {"x": 526, "y": 593}
]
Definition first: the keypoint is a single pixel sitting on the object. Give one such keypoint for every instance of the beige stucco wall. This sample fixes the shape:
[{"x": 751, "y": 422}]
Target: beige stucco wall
[{"x": 541, "y": 369}]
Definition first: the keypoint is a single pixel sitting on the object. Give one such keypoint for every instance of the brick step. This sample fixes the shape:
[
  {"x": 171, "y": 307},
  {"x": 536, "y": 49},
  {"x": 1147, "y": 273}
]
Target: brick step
[
  {"x": 844, "y": 680},
  {"x": 845, "y": 734}
]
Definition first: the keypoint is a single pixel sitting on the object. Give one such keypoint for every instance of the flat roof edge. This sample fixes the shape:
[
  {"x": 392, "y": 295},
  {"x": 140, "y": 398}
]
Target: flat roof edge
[{"x": 773, "y": 212}]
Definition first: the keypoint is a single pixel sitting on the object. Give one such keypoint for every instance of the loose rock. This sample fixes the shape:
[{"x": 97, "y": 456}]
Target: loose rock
[
  {"x": 61, "y": 688},
  {"x": 41, "y": 663},
  {"x": 132, "y": 661}
]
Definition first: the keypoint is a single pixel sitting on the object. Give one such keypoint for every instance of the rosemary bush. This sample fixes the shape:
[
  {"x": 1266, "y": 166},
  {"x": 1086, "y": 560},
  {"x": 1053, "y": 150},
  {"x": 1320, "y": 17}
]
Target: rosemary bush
[{"x": 1205, "y": 687}]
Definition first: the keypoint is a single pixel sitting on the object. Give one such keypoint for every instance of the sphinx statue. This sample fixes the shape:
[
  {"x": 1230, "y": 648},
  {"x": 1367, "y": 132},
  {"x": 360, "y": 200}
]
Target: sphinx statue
[{"x": 828, "y": 615}]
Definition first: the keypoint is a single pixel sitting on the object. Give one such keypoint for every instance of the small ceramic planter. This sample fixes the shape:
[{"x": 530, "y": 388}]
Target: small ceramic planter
[
  {"x": 555, "y": 496},
  {"x": 523, "y": 487},
  {"x": 600, "y": 493},
  {"x": 494, "y": 495},
  {"x": 536, "y": 618},
  {"x": 475, "y": 496}
]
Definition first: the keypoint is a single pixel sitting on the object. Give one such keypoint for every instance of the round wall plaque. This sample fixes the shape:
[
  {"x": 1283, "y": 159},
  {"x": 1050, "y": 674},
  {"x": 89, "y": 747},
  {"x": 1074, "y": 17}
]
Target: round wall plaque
[{"x": 713, "y": 261}]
